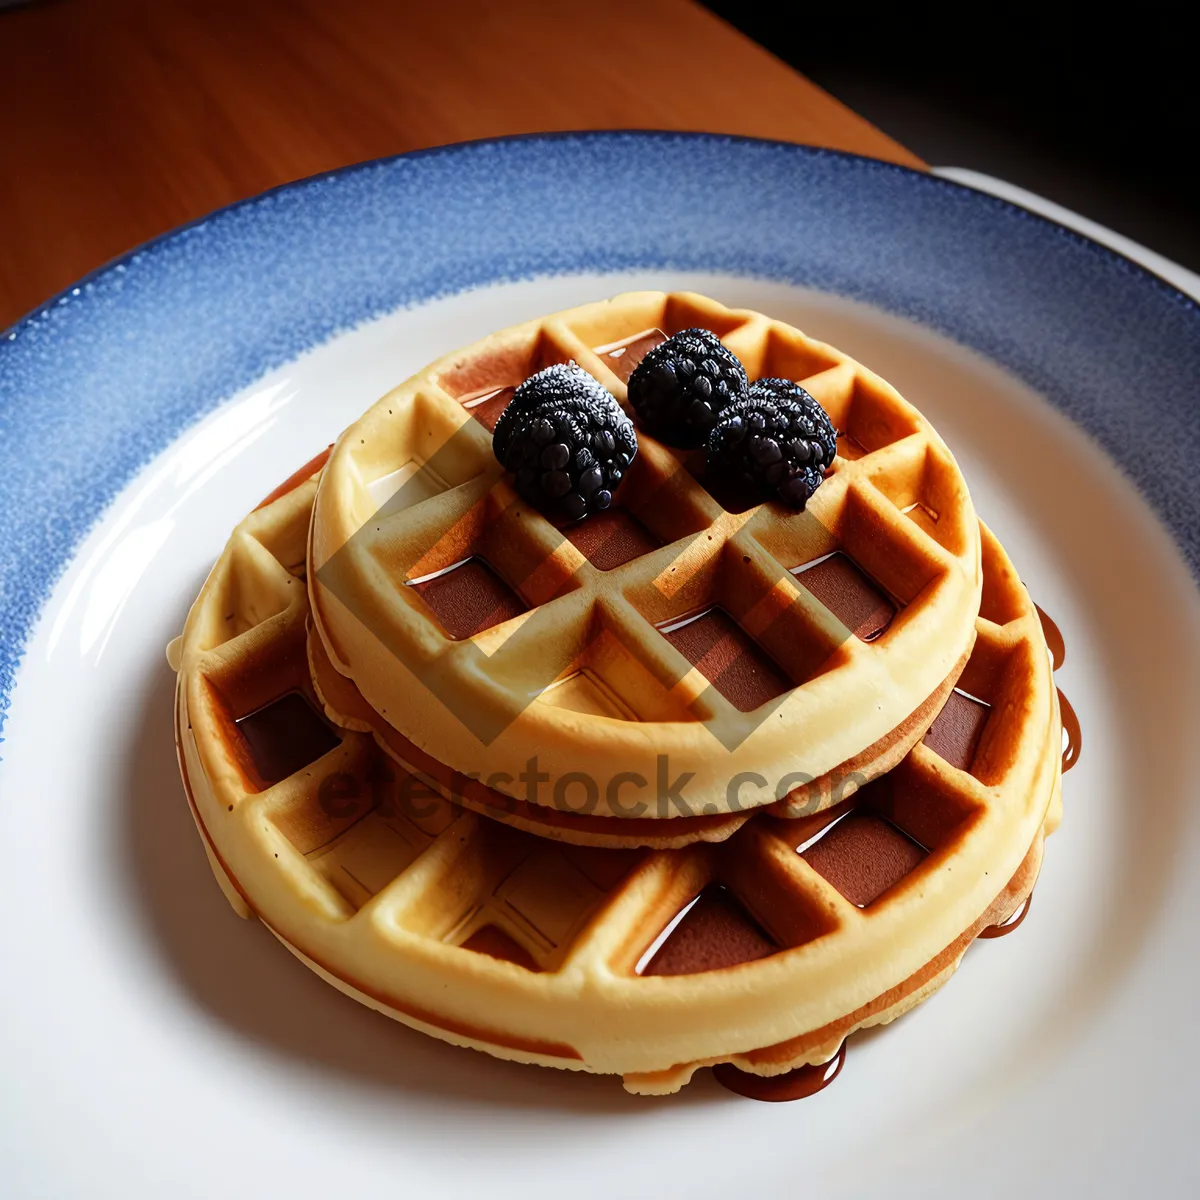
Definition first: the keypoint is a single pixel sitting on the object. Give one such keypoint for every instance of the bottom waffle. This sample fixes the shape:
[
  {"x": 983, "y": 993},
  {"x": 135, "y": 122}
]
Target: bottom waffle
[{"x": 762, "y": 952}]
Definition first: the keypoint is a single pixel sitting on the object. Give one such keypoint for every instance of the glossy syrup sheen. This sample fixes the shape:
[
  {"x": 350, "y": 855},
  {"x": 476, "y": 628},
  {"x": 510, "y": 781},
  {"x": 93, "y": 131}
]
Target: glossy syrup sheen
[{"x": 793, "y": 1085}]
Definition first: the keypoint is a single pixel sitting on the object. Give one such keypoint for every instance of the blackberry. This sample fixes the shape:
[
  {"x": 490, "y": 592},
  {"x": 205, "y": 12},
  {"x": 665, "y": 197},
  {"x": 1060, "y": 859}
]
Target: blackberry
[
  {"x": 566, "y": 441},
  {"x": 561, "y": 382},
  {"x": 680, "y": 388},
  {"x": 776, "y": 443}
]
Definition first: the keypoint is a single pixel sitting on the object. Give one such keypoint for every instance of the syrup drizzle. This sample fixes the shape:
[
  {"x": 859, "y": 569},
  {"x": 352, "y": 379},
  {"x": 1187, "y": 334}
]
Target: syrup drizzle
[
  {"x": 1007, "y": 926},
  {"x": 1070, "y": 724},
  {"x": 793, "y": 1085},
  {"x": 1054, "y": 637}
]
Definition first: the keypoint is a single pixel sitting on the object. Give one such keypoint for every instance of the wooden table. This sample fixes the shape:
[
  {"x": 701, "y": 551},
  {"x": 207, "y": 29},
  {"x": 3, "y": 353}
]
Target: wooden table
[{"x": 124, "y": 118}]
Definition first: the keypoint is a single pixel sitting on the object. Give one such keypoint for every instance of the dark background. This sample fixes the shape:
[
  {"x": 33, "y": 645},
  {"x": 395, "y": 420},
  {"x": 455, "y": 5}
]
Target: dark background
[{"x": 1099, "y": 113}]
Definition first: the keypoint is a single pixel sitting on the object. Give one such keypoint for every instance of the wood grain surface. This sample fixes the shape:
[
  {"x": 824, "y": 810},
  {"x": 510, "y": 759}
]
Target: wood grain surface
[{"x": 124, "y": 118}]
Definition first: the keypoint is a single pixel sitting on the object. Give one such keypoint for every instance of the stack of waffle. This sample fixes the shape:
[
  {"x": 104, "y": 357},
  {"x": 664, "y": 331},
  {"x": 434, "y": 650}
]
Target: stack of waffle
[{"x": 685, "y": 783}]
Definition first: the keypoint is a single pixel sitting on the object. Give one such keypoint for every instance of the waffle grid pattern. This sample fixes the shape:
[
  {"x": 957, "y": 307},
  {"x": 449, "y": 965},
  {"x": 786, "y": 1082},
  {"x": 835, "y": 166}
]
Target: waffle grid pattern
[{"x": 894, "y": 502}]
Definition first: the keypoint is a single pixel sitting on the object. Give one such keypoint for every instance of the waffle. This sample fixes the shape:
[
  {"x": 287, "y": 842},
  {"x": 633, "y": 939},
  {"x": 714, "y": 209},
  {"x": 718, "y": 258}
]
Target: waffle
[
  {"x": 762, "y": 952},
  {"x": 679, "y": 634}
]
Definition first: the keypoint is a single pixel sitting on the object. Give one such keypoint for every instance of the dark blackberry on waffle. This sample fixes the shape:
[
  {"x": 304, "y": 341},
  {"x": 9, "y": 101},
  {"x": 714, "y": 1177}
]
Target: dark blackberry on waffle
[
  {"x": 775, "y": 444},
  {"x": 566, "y": 441},
  {"x": 680, "y": 388}
]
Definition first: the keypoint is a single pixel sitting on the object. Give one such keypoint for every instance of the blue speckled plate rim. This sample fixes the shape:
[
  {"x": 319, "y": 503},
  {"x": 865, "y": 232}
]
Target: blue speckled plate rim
[
  {"x": 69, "y": 292},
  {"x": 16, "y": 623}
]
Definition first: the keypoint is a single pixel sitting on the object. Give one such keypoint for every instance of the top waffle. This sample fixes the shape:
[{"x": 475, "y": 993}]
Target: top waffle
[{"x": 677, "y": 655}]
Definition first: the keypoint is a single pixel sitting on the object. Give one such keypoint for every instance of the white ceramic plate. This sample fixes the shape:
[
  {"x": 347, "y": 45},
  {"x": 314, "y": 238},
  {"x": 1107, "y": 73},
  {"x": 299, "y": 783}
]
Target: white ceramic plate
[{"x": 153, "y": 1045}]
